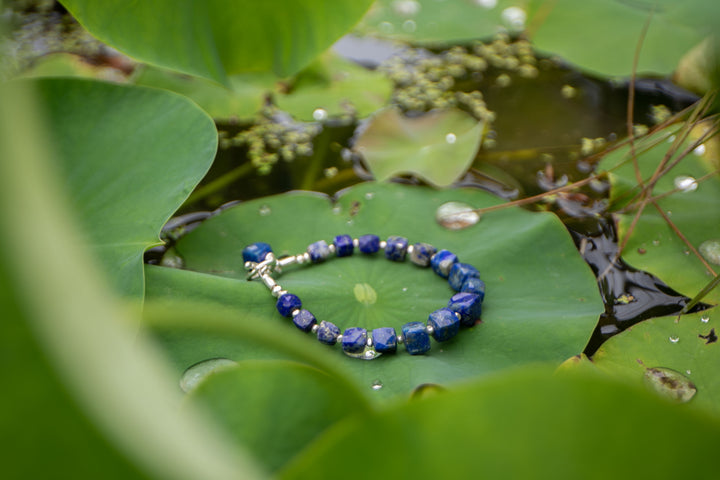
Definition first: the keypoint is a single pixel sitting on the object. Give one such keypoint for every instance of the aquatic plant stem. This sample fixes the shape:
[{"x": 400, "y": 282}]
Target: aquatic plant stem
[
  {"x": 220, "y": 183},
  {"x": 696, "y": 299}
]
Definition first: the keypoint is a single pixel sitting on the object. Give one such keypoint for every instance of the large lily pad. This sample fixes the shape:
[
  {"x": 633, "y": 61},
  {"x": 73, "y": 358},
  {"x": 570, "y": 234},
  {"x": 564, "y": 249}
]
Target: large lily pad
[
  {"x": 653, "y": 245},
  {"x": 218, "y": 38},
  {"x": 688, "y": 345},
  {"x": 438, "y": 146},
  {"x": 129, "y": 156},
  {"x": 528, "y": 424},
  {"x": 542, "y": 301}
]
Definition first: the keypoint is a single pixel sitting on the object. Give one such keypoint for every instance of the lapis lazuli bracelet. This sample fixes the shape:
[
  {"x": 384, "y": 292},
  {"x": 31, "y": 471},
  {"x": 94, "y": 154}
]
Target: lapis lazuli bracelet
[{"x": 464, "y": 307}]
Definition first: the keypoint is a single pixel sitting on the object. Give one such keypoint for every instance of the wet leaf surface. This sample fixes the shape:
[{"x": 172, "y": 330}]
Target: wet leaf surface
[
  {"x": 663, "y": 343},
  {"x": 114, "y": 139},
  {"x": 526, "y": 318},
  {"x": 438, "y": 146}
]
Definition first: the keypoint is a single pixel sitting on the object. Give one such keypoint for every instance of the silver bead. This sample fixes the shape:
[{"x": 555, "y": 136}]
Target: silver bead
[
  {"x": 281, "y": 293},
  {"x": 383, "y": 244},
  {"x": 457, "y": 314},
  {"x": 296, "y": 312},
  {"x": 339, "y": 338},
  {"x": 429, "y": 329},
  {"x": 369, "y": 342},
  {"x": 315, "y": 328},
  {"x": 331, "y": 248},
  {"x": 249, "y": 265},
  {"x": 356, "y": 242},
  {"x": 410, "y": 249},
  {"x": 400, "y": 339},
  {"x": 275, "y": 291}
]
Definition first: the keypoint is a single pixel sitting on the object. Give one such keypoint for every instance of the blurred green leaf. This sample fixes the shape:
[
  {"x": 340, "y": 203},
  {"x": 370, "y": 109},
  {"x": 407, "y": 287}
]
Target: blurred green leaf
[
  {"x": 528, "y": 317},
  {"x": 218, "y": 38},
  {"x": 83, "y": 399},
  {"x": 438, "y": 146},
  {"x": 275, "y": 409},
  {"x": 683, "y": 345},
  {"x": 526, "y": 424},
  {"x": 653, "y": 245},
  {"x": 602, "y": 35},
  {"x": 129, "y": 157}
]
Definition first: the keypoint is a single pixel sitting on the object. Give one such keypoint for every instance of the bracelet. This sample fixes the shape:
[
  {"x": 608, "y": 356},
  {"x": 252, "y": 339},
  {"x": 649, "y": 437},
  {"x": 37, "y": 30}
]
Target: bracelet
[{"x": 464, "y": 307}]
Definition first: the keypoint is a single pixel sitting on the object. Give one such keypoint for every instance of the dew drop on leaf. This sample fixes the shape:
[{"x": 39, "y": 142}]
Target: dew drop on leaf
[
  {"x": 670, "y": 384},
  {"x": 198, "y": 372},
  {"x": 685, "y": 183},
  {"x": 710, "y": 249},
  {"x": 450, "y": 138},
  {"x": 319, "y": 114},
  {"x": 705, "y": 319},
  {"x": 456, "y": 215},
  {"x": 264, "y": 210},
  {"x": 674, "y": 339},
  {"x": 376, "y": 385}
]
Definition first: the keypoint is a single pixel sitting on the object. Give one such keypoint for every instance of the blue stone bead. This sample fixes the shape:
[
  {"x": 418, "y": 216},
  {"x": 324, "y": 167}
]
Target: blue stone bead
[
  {"x": 369, "y": 243},
  {"x": 304, "y": 320},
  {"x": 354, "y": 340},
  {"x": 396, "y": 248},
  {"x": 460, "y": 273},
  {"x": 442, "y": 262},
  {"x": 445, "y": 324},
  {"x": 318, "y": 251},
  {"x": 474, "y": 285},
  {"x": 417, "y": 340},
  {"x": 327, "y": 333},
  {"x": 287, "y": 303},
  {"x": 384, "y": 340},
  {"x": 256, "y": 252},
  {"x": 421, "y": 254},
  {"x": 468, "y": 305},
  {"x": 343, "y": 245}
]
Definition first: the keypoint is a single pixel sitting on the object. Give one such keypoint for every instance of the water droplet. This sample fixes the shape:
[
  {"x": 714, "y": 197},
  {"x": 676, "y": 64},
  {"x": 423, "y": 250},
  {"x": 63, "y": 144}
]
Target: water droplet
[
  {"x": 426, "y": 390},
  {"x": 450, "y": 138},
  {"x": 674, "y": 339},
  {"x": 264, "y": 210},
  {"x": 336, "y": 209},
  {"x": 368, "y": 354},
  {"x": 688, "y": 372},
  {"x": 369, "y": 195},
  {"x": 404, "y": 289},
  {"x": 514, "y": 17},
  {"x": 320, "y": 114},
  {"x": 386, "y": 27},
  {"x": 656, "y": 242},
  {"x": 699, "y": 150},
  {"x": 376, "y": 385},
  {"x": 704, "y": 319},
  {"x": 489, "y": 4},
  {"x": 406, "y": 8},
  {"x": 456, "y": 215},
  {"x": 198, "y": 372},
  {"x": 670, "y": 384},
  {"x": 710, "y": 249},
  {"x": 409, "y": 26},
  {"x": 685, "y": 183}
]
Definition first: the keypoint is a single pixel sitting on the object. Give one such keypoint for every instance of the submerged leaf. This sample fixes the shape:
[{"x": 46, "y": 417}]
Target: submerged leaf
[{"x": 438, "y": 146}]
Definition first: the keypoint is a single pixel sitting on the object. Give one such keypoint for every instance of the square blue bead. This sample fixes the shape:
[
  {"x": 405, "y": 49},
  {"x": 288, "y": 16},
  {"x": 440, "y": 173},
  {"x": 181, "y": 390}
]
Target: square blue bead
[
  {"x": 354, "y": 340},
  {"x": 417, "y": 340},
  {"x": 421, "y": 254},
  {"x": 327, "y": 333},
  {"x": 445, "y": 324},
  {"x": 396, "y": 248},
  {"x": 474, "y": 285},
  {"x": 287, "y": 303},
  {"x": 343, "y": 245},
  {"x": 369, "y": 243},
  {"x": 384, "y": 340},
  {"x": 460, "y": 273},
  {"x": 468, "y": 305},
  {"x": 442, "y": 262},
  {"x": 304, "y": 320},
  {"x": 318, "y": 251},
  {"x": 256, "y": 252}
]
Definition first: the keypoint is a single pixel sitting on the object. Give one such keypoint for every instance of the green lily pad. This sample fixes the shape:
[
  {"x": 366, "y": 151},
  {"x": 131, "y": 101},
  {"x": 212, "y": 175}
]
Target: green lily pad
[
  {"x": 653, "y": 245},
  {"x": 438, "y": 146},
  {"x": 337, "y": 86},
  {"x": 688, "y": 346},
  {"x": 433, "y": 22},
  {"x": 601, "y": 35},
  {"x": 542, "y": 300},
  {"x": 219, "y": 38},
  {"x": 527, "y": 424},
  {"x": 242, "y": 101},
  {"x": 298, "y": 401},
  {"x": 129, "y": 156}
]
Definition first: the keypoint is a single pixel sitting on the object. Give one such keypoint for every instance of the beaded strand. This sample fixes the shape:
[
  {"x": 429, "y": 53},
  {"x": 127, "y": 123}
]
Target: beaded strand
[{"x": 464, "y": 307}]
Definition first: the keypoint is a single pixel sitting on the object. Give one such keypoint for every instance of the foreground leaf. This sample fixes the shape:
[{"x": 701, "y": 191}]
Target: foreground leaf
[
  {"x": 542, "y": 300},
  {"x": 527, "y": 424},
  {"x": 688, "y": 346},
  {"x": 438, "y": 147},
  {"x": 218, "y": 38},
  {"x": 126, "y": 153}
]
